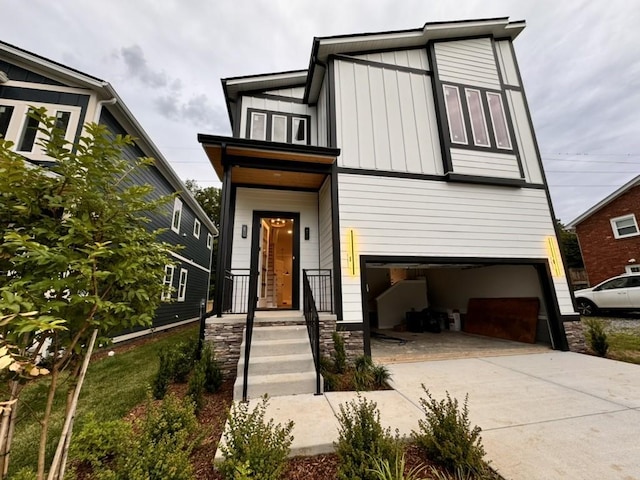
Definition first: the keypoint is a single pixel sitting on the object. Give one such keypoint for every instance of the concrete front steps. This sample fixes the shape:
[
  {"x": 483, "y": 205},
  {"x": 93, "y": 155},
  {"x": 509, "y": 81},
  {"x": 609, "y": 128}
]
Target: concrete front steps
[{"x": 281, "y": 361}]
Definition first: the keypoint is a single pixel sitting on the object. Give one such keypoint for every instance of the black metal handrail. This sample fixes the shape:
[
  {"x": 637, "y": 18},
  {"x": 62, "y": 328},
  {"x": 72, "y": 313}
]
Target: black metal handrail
[
  {"x": 248, "y": 333},
  {"x": 312, "y": 321},
  {"x": 321, "y": 285},
  {"x": 236, "y": 288}
]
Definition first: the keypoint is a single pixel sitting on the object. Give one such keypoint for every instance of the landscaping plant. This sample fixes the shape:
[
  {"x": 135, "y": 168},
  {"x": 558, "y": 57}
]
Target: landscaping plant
[
  {"x": 339, "y": 353},
  {"x": 596, "y": 336},
  {"x": 446, "y": 435},
  {"x": 386, "y": 470},
  {"x": 254, "y": 448},
  {"x": 164, "y": 375},
  {"x": 362, "y": 442},
  {"x": 212, "y": 372}
]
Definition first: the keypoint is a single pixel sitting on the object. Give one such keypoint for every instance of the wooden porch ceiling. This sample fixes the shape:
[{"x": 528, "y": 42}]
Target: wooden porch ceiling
[{"x": 267, "y": 163}]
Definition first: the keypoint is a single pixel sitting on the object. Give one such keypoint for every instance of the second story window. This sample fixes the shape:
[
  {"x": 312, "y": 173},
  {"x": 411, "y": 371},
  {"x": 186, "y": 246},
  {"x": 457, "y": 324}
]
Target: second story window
[
  {"x": 278, "y": 127},
  {"x": 29, "y": 131},
  {"x": 177, "y": 215},
  {"x": 62, "y": 121},
  {"x": 196, "y": 228},
  {"x": 5, "y": 117},
  {"x": 625, "y": 226}
]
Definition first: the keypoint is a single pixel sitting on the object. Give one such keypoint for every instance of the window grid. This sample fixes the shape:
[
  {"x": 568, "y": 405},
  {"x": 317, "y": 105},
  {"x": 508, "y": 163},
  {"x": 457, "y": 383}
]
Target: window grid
[{"x": 167, "y": 283}]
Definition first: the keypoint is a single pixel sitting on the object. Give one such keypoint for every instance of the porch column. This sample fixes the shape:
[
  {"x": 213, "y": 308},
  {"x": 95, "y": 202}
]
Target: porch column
[{"x": 224, "y": 243}]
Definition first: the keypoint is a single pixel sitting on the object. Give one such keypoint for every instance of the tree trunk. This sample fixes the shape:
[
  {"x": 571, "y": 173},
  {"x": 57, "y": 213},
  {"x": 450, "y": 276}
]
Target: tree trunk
[
  {"x": 42, "y": 450},
  {"x": 7, "y": 427},
  {"x": 58, "y": 464},
  {"x": 12, "y": 429}
]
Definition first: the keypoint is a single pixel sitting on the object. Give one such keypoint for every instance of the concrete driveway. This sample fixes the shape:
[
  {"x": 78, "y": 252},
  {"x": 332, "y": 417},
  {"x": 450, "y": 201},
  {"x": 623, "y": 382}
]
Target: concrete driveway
[{"x": 556, "y": 415}]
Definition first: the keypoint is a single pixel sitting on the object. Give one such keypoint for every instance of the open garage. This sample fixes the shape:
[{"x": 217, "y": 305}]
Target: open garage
[{"x": 441, "y": 306}]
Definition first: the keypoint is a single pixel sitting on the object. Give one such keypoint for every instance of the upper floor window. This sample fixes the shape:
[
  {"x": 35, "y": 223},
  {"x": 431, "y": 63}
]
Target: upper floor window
[
  {"x": 196, "y": 228},
  {"x": 209, "y": 241},
  {"x": 278, "y": 127},
  {"x": 62, "y": 121},
  {"x": 177, "y": 215},
  {"x": 625, "y": 226},
  {"x": 472, "y": 108},
  {"x": 5, "y": 117},
  {"x": 29, "y": 131}
]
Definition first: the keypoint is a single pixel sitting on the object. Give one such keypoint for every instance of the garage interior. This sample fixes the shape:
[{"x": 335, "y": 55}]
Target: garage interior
[{"x": 420, "y": 311}]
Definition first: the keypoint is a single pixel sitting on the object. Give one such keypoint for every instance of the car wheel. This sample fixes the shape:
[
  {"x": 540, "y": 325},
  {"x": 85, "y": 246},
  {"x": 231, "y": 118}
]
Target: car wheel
[{"x": 586, "y": 308}]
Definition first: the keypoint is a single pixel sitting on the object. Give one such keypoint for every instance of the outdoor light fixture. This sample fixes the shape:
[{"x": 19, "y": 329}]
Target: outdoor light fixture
[
  {"x": 307, "y": 233},
  {"x": 244, "y": 231},
  {"x": 277, "y": 222}
]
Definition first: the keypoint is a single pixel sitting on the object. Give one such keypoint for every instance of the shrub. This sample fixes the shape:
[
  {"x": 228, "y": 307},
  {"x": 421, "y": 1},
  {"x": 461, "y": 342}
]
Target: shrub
[
  {"x": 367, "y": 375},
  {"x": 196, "y": 386},
  {"x": 99, "y": 443},
  {"x": 381, "y": 375},
  {"x": 339, "y": 353},
  {"x": 596, "y": 336},
  {"x": 161, "y": 381},
  {"x": 25, "y": 473},
  {"x": 184, "y": 355},
  {"x": 383, "y": 470},
  {"x": 212, "y": 371},
  {"x": 362, "y": 441},
  {"x": 252, "y": 447},
  {"x": 447, "y": 437},
  {"x": 173, "y": 419}
]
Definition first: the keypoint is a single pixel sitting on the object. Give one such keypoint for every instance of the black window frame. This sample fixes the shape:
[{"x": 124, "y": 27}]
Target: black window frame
[
  {"x": 5, "y": 119},
  {"x": 290, "y": 116}
]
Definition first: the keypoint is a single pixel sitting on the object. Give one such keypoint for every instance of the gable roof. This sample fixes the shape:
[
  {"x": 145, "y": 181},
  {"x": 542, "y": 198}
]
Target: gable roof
[
  {"x": 103, "y": 89},
  {"x": 605, "y": 201}
]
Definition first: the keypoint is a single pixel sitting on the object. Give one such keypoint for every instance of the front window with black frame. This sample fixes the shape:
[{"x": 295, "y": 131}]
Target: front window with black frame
[
  {"x": 278, "y": 127},
  {"x": 476, "y": 118}
]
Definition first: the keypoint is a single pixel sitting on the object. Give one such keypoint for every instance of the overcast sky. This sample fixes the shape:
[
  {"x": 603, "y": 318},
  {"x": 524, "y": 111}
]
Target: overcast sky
[{"x": 580, "y": 62}]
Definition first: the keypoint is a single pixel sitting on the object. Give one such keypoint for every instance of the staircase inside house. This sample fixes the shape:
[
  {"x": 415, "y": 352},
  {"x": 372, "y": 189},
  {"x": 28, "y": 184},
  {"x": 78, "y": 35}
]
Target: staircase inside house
[{"x": 281, "y": 360}]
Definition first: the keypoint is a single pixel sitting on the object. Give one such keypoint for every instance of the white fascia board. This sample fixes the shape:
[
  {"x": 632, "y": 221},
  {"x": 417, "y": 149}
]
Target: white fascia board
[
  {"x": 300, "y": 75},
  {"x": 608, "y": 199}
]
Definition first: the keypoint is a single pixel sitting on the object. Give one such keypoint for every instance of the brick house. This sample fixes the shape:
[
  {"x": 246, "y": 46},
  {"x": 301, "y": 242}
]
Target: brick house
[{"x": 609, "y": 235}]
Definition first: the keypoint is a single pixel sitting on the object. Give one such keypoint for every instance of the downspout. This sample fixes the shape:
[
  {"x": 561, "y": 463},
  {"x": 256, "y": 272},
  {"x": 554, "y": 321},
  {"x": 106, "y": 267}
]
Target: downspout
[{"x": 101, "y": 103}]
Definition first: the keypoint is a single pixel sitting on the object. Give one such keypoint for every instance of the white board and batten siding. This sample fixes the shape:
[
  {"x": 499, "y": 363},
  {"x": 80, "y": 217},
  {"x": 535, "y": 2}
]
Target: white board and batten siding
[
  {"x": 416, "y": 58},
  {"x": 385, "y": 120},
  {"x": 282, "y": 106},
  {"x": 397, "y": 216},
  {"x": 250, "y": 199},
  {"x": 469, "y": 62}
]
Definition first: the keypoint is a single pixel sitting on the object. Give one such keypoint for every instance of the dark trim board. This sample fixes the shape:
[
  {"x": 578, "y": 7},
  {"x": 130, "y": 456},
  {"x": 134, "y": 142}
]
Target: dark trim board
[
  {"x": 505, "y": 182},
  {"x": 555, "y": 319},
  {"x": 386, "y": 66},
  {"x": 279, "y": 98},
  {"x": 335, "y": 248},
  {"x": 275, "y": 187}
]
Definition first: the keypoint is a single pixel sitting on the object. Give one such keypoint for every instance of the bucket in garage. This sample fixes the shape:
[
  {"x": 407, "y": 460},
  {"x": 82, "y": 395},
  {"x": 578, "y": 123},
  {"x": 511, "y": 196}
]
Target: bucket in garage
[{"x": 454, "y": 320}]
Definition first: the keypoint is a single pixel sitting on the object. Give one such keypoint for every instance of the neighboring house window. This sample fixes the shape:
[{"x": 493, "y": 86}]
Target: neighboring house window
[
  {"x": 182, "y": 285},
  {"x": 625, "y": 226},
  {"x": 5, "y": 117},
  {"x": 29, "y": 131},
  {"x": 62, "y": 121},
  {"x": 278, "y": 127},
  {"x": 209, "y": 241},
  {"x": 196, "y": 228},
  {"x": 167, "y": 283},
  {"x": 632, "y": 268},
  {"x": 471, "y": 111},
  {"x": 177, "y": 215}
]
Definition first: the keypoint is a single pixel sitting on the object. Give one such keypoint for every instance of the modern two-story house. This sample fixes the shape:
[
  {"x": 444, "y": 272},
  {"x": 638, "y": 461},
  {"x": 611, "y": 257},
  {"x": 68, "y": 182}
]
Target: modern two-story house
[
  {"x": 30, "y": 81},
  {"x": 399, "y": 170}
]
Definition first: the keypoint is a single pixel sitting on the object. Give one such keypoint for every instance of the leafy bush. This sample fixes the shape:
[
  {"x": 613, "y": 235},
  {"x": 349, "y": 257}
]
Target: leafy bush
[
  {"x": 99, "y": 443},
  {"x": 339, "y": 353},
  {"x": 362, "y": 441},
  {"x": 447, "y": 437},
  {"x": 383, "y": 470},
  {"x": 596, "y": 336},
  {"x": 173, "y": 419},
  {"x": 381, "y": 375},
  {"x": 25, "y": 473},
  {"x": 212, "y": 371},
  {"x": 196, "y": 387},
  {"x": 161, "y": 381},
  {"x": 184, "y": 356},
  {"x": 252, "y": 447}
]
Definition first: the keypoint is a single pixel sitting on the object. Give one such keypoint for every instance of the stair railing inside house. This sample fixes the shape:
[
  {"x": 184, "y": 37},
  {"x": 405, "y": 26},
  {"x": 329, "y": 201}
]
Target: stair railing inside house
[
  {"x": 312, "y": 321},
  {"x": 248, "y": 333},
  {"x": 236, "y": 287}
]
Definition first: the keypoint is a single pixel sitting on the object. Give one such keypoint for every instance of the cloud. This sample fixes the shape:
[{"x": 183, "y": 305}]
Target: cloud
[{"x": 138, "y": 67}]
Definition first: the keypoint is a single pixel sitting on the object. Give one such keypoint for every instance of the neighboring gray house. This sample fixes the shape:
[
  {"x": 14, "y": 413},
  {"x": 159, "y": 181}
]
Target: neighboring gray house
[{"x": 28, "y": 80}]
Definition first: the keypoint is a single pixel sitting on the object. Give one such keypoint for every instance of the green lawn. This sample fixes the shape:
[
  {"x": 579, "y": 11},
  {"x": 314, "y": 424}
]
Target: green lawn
[
  {"x": 113, "y": 386},
  {"x": 624, "y": 341}
]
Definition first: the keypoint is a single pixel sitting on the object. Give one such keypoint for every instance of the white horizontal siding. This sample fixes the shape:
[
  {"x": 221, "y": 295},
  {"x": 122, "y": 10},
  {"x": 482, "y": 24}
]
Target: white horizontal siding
[
  {"x": 474, "y": 162},
  {"x": 325, "y": 225},
  {"x": 250, "y": 199},
  {"x": 386, "y": 120},
  {"x": 470, "y": 62},
  {"x": 524, "y": 137},
  {"x": 396, "y": 216},
  {"x": 277, "y": 106},
  {"x": 507, "y": 63},
  {"x": 295, "y": 92},
  {"x": 404, "y": 58}
]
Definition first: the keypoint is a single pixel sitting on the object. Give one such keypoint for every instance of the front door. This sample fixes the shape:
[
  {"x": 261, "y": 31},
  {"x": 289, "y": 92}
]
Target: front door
[{"x": 275, "y": 250}]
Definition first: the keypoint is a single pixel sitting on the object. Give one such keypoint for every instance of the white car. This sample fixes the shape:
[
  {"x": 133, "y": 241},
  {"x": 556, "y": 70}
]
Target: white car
[{"x": 620, "y": 293}]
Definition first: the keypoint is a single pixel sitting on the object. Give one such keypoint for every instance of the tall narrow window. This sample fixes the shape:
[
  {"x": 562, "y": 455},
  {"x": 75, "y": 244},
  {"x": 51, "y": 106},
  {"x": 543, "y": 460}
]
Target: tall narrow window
[
  {"x": 499, "y": 120},
  {"x": 177, "y": 215},
  {"x": 455, "y": 116},
  {"x": 62, "y": 121},
  {"x": 196, "y": 228},
  {"x": 478, "y": 121},
  {"x": 5, "y": 117},
  {"x": 258, "y": 126},
  {"x": 278, "y": 128},
  {"x": 28, "y": 137},
  {"x": 299, "y": 131},
  {"x": 209, "y": 241},
  {"x": 167, "y": 283},
  {"x": 182, "y": 285}
]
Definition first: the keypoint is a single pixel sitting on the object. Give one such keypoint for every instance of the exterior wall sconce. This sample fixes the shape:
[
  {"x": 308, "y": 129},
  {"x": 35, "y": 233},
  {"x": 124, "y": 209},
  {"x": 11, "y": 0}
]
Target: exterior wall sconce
[
  {"x": 307, "y": 233},
  {"x": 244, "y": 231}
]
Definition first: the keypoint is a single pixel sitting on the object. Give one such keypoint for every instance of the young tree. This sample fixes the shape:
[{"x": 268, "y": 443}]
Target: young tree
[
  {"x": 76, "y": 260},
  {"x": 570, "y": 247}
]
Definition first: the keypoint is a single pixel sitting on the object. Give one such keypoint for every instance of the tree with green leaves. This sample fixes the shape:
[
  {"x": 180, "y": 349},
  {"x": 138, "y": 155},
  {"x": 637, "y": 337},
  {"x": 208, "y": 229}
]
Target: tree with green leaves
[
  {"x": 77, "y": 261},
  {"x": 570, "y": 247}
]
